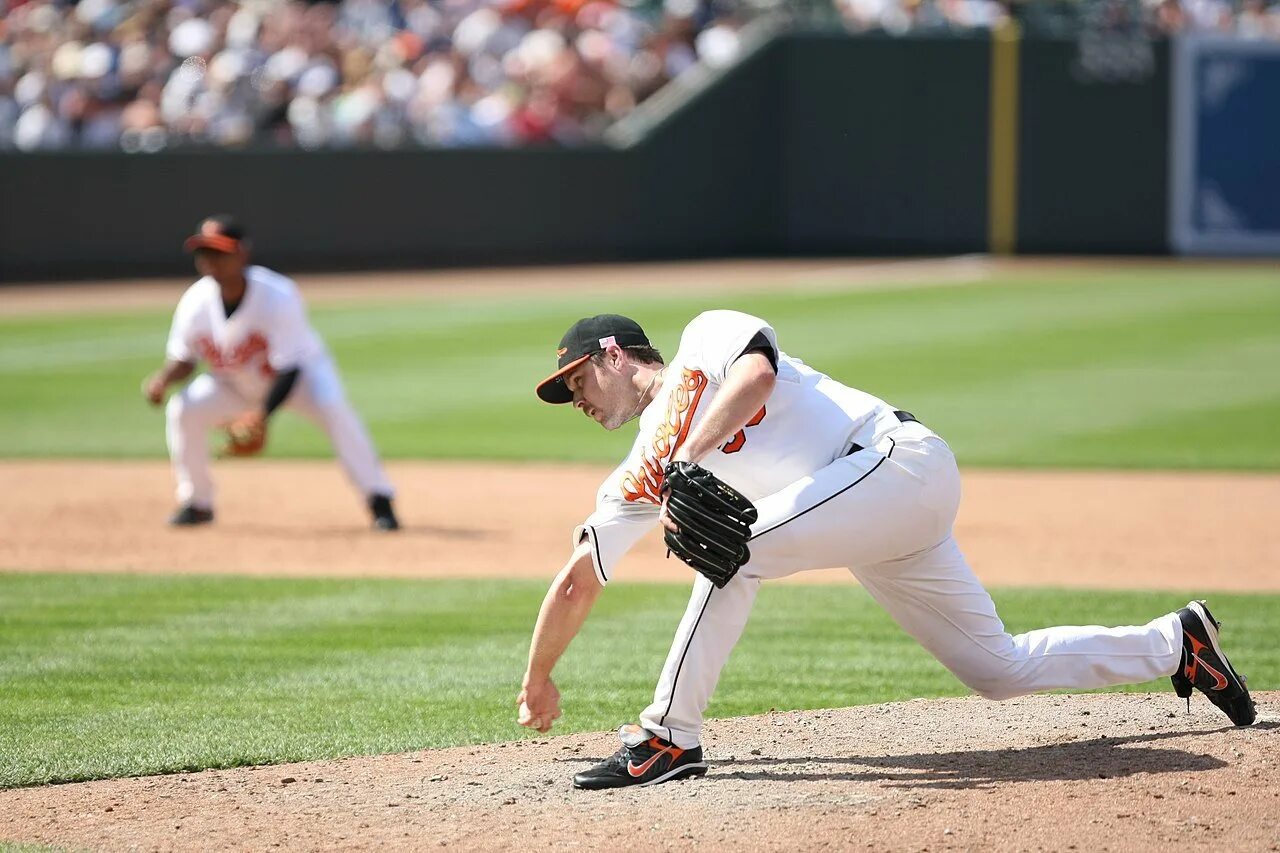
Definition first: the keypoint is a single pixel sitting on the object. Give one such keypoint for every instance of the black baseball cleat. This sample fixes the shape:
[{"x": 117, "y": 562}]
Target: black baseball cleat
[
  {"x": 190, "y": 515},
  {"x": 643, "y": 759},
  {"x": 1205, "y": 668},
  {"x": 384, "y": 517}
]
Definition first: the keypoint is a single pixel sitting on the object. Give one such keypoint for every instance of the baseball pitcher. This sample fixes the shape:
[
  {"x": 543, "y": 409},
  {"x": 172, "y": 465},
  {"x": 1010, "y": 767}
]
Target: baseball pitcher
[
  {"x": 249, "y": 326},
  {"x": 758, "y": 466}
]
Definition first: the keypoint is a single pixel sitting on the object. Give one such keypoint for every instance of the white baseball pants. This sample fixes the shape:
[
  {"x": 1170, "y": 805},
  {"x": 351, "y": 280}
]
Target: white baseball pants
[
  {"x": 886, "y": 513},
  {"x": 318, "y": 395}
]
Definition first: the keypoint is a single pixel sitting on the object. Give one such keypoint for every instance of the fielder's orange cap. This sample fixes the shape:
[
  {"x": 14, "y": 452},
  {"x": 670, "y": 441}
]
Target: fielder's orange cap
[{"x": 220, "y": 233}]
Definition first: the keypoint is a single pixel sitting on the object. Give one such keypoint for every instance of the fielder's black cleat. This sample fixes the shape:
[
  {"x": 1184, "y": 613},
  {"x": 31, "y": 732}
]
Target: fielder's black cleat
[
  {"x": 1205, "y": 668},
  {"x": 384, "y": 517},
  {"x": 190, "y": 516},
  {"x": 643, "y": 759}
]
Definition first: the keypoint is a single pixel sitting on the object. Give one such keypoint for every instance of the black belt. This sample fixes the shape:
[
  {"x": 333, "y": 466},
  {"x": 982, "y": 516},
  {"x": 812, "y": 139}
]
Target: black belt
[{"x": 905, "y": 417}]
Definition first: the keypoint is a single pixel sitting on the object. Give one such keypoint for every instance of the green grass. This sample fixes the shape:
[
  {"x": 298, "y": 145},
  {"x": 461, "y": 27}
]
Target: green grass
[
  {"x": 1132, "y": 368},
  {"x": 114, "y": 675}
]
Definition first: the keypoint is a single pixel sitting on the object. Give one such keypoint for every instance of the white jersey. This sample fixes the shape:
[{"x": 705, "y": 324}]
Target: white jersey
[
  {"x": 267, "y": 334},
  {"x": 808, "y": 421}
]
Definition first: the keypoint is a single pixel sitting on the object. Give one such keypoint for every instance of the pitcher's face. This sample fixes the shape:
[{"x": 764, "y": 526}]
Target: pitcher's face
[{"x": 602, "y": 391}]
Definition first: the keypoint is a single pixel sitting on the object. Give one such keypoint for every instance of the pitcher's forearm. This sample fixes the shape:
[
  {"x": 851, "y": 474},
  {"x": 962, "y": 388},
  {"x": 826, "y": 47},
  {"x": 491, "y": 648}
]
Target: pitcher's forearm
[
  {"x": 746, "y": 389},
  {"x": 563, "y": 612}
]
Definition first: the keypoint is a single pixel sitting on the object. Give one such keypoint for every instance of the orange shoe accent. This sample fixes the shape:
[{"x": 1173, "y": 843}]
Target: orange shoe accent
[
  {"x": 674, "y": 751},
  {"x": 1196, "y": 662}
]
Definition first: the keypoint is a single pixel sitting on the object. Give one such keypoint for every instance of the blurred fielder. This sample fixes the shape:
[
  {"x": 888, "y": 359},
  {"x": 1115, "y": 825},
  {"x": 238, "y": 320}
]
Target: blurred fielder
[{"x": 249, "y": 326}]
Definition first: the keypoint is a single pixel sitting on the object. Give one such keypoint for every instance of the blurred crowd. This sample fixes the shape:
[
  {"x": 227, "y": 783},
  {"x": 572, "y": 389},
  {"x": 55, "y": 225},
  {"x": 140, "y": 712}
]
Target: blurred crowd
[{"x": 144, "y": 75}]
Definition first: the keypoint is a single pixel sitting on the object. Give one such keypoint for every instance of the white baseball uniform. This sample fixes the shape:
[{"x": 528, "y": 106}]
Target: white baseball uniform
[
  {"x": 839, "y": 480},
  {"x": 267, "y": 334}
]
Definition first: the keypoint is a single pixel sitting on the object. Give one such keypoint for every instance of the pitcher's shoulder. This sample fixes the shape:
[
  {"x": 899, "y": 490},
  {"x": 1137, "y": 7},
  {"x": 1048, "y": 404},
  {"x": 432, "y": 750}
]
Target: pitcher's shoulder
[{"x": 724, "y": 318}]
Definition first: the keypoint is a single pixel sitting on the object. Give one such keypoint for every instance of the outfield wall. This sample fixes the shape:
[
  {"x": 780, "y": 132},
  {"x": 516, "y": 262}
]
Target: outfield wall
[
  {"x": 1094, "y": 153},
  {"x": 814, "y": 144},
  {"x": 885, "y": 145}
]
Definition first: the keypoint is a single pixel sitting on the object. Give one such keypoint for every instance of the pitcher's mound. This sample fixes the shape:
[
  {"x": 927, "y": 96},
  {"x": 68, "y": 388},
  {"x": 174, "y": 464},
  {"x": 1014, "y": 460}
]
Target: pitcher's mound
[{"x": 1089, "y": 772}]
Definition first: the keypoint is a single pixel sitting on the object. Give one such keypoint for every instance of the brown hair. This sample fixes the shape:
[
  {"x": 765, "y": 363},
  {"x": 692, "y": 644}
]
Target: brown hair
[{"x": 642, "y": 354}]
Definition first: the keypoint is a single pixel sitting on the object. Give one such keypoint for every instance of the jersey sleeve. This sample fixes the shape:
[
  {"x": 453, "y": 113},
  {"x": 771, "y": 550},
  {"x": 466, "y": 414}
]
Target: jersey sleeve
[
  {"x": 178, "y": 347},
  {"x": 614, "y": 527},
  {"x": 287, "y": 340},
  {"x": 716, "y": 339}
]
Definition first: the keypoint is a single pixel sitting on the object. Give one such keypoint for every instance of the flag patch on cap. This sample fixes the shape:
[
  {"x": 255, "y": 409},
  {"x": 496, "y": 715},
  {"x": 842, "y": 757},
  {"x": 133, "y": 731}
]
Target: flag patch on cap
[{"x": 608, "y": 342}]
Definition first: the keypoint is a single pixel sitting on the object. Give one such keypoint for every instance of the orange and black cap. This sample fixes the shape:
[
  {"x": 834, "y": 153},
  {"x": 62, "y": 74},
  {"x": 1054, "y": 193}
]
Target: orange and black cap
[
  {"x": 220, "y": 233},
  {"x": 584, "y": 339}
]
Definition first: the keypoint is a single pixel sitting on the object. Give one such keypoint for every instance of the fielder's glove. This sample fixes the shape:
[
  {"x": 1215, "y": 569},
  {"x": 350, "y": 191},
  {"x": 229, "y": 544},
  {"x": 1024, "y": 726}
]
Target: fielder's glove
[
  {"x": 714, "y": 519},
  {"x": 246, "y": 435}
]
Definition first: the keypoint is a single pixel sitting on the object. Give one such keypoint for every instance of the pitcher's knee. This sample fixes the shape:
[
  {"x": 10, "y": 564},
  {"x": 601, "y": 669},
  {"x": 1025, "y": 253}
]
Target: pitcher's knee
[
  {"x": 998, "y": 692},
  {"x": 997, "y": 680}
]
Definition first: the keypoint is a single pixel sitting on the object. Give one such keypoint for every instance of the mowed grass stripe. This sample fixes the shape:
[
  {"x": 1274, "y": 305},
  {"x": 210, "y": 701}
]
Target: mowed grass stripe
[
  {"x": 1182, "y": 390},
  {"x": 930, "y": 318},
  {"x": 50, "y": 340},
  {"x": 1011, "y": 372},
  {"x": 122, "y": 675},
  {"x": 1242, "y": 437}
]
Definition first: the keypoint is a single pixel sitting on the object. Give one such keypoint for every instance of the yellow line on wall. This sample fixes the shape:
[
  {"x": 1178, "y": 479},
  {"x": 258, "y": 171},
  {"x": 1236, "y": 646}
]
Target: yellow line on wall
[{"x": 1002, "y": 165}]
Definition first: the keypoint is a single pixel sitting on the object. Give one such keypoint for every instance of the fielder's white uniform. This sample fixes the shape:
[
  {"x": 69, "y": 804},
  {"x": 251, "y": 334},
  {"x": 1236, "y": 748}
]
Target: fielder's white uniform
[
  {"x": 884, "y": 511},
  {"x": 267, "y": 334}
]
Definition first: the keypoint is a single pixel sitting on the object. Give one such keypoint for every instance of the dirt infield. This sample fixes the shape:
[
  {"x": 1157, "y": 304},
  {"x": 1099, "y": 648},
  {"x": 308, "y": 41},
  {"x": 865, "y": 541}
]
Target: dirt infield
[
  {"x": 1114, "y": 530},
  {"x": 1096, "y": 772}
]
